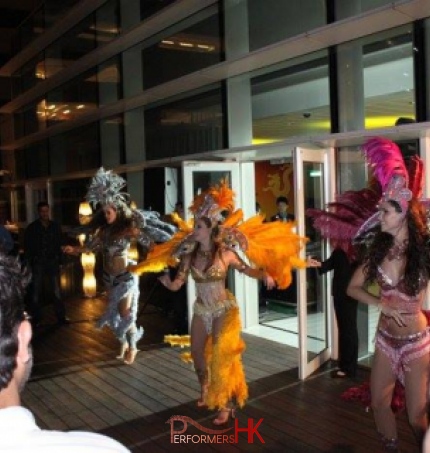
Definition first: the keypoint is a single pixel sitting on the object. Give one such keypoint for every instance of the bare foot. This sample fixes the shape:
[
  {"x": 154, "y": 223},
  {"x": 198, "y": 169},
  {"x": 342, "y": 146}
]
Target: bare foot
[
  {"x": 224, "y": 416},
  {"x": 130, "y": 356}
]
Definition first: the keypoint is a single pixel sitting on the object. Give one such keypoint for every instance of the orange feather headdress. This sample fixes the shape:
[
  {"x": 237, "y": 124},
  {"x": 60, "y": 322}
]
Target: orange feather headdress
[{"x": 213, "y": 203}]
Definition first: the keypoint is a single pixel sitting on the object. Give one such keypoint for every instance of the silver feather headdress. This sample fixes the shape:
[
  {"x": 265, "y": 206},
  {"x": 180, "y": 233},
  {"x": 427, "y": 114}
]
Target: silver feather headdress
[{"x": 105, "y": 188}]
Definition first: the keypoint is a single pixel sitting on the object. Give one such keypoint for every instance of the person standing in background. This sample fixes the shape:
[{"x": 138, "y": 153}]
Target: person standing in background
[
  {"x": 283, "y": 215},
  {"x": 42, "y": 249},
  {"x": 345, "y": 308}
]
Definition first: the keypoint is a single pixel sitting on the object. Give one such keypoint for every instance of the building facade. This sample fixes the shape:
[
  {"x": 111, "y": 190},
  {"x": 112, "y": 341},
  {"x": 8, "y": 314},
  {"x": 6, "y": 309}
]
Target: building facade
[{"x": 142, "y": 85}]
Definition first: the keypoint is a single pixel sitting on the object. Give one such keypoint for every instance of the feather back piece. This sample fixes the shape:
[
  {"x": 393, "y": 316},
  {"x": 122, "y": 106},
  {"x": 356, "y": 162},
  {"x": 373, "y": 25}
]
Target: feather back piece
[
  {"x": 273, "y": 246},
  {"x": 105, "y": 188},
  {"x": 342, "y": 220},
  {"x": 416, "y": 176},
  {"x": 166, "y": 254},
  {"x": 386, "y": 160},
  {"x": 149, "y": 222}
]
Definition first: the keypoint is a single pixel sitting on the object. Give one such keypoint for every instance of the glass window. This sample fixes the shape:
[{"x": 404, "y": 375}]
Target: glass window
[
  {"x": 188, "y": 126},
  {"x": 70, "y": 101},
  {"x": 271, "y": 21},
  {"x": 135, "y": 11},
  {"x": 98, "y": 87},
  {"x": 291, "y": 100},
  {"x": 351, "y": 169},
  {"x": 55, "y": 9},
  {"x": 346, "y": 9},
  {"x": 28, "y": 76},
  {"x": 32, "y": 27},
  {"x": 112, "y": 141},
  {"x": 72, "y": 46},
  {"x": 30, "y": 120},
  {"x": 376, "y": 80},
  {"x": 107, "y": 22},
  {"x": 39, "y": 21},
  {"x": 192, "y": 45},
  {"x": 36, "y": 160},
  {"x": 76, "y": 150},
  {"x": 67, "y": 197},
  {"x": 149, "y": 7},
  {"x": 109, "y": 81},
  {"x": 20, "y": 164},
  {"x": 96, "y": 29},
  {"x": 22, "y": 207}
]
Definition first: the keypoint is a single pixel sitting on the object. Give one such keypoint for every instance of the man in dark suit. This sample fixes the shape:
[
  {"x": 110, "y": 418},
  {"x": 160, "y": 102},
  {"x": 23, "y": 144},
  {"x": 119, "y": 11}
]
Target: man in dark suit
[
  {"x": 282, "y": 214},
  {"x": 345, "y": 310},
  {"x": 42, "y": 248}
]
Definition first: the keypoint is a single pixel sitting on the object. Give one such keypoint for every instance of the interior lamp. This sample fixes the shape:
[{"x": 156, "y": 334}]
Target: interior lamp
[
  {"x": 88, "y": 259},
  {"x": 89, "y": 284},
  {"x": 85, "y": 213}
]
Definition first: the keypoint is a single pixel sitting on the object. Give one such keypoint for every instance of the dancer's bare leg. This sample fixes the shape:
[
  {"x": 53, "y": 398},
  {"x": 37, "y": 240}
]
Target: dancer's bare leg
[
  {"x": 382, "y": 382},
  {"x": 416, "y": 393},
  {"x": 199, "y": 337}
]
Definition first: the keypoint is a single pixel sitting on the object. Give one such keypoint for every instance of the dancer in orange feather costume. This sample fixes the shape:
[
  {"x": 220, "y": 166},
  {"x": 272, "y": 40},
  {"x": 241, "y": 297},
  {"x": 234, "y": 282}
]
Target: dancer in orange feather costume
[{"x": 206, "y": 250}]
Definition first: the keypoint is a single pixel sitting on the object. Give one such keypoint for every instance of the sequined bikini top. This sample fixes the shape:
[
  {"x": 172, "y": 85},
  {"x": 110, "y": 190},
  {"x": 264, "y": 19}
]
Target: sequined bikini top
[
  {"x": 395, "y": 294},
  {"x": 214, "y": 273}
]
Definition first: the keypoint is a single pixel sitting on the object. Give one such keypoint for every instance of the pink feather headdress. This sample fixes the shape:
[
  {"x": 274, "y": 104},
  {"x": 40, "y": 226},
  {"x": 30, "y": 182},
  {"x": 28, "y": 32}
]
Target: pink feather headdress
[
  {"x": 398, "y": 182},
  {"x": 386, "y": 160},
  {"x": 355, "y": 213}
]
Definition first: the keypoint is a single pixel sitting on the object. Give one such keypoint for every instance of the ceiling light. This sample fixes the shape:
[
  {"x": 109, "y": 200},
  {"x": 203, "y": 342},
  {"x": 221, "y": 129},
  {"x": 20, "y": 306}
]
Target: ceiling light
[
  {"x": 80, "y": 106},
  {"x": 167, "y": 42},
  {"x": 186, "y": 44},
  {"x": 66, "y": 111}
]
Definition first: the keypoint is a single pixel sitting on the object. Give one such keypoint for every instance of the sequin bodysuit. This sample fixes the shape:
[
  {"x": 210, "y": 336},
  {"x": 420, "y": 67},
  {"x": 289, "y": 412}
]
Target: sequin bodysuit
[{"x": 401, "y": 349}]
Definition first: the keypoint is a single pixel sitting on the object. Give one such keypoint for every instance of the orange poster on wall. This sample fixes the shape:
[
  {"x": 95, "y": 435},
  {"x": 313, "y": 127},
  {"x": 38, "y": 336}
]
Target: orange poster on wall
[{"x": 272, "y": 181}]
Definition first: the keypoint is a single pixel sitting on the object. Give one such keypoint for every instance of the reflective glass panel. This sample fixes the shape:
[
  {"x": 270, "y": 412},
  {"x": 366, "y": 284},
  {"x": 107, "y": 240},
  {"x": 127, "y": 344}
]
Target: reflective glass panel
[
  {"x": 346, "y": 8},
  {"x": 72, "y": 46},
  {"x": 291, "y": 99},
  {"x": 188, "y": 126},
  {"x": 149, "y": 7},
  {"x": 271, "y": 21},
  {"x": 67, "y": 197},
  {"x": 317, "y": 328},
  {"x": 376, "y": 80},
  {"x": 76, "y": 150},
  {"x": 193, "y": 44}
]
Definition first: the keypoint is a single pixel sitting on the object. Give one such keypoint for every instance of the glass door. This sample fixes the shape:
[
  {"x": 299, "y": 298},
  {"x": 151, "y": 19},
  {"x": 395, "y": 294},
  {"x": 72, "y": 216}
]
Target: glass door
[
  {"x": 34, "y": 193},
  {"x": 314, "y": 188},
  {"x": 199, "y": 176}
]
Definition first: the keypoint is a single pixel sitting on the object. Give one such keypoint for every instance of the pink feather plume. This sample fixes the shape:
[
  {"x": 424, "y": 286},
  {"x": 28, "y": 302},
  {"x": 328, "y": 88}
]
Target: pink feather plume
[
  {"x": 416, "y": 176},
  {"x": 386, "y": 160}
]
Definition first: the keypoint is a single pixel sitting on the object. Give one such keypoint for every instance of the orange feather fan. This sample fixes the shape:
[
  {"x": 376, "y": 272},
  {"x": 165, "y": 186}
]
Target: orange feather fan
[
  {"x": 162, "y": 255},
  {"x": 274, "y": 247}
]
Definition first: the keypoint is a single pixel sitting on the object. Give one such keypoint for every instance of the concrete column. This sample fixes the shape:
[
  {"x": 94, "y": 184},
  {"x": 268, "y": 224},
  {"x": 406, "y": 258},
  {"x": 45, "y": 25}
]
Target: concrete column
[
  {"x": 350, "y": 75},
  {"x": 132, "y": 73},
  {"x": 134, "y": 140},
  {"x": 239, "y": 106},
  {"x": 239, "y": 124}
]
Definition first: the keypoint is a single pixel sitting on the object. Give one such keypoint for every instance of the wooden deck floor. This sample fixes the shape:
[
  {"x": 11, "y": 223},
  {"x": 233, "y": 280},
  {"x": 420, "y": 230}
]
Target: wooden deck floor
[{"x": 77, "y": 384}]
